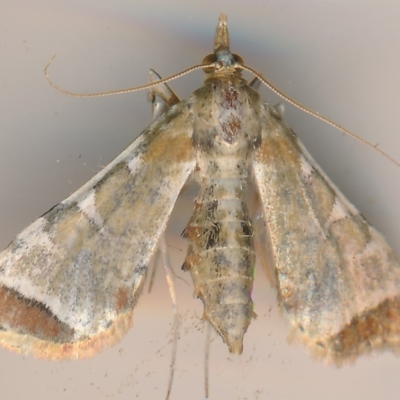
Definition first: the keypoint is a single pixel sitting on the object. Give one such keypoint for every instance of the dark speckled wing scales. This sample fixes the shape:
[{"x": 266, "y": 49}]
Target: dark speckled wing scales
[
  {"x": 69, "y": 282},
  {"x": 338, "y": 280}
]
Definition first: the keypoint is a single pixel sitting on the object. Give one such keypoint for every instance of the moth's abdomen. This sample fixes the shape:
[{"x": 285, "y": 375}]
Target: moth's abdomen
[{"x": 221, "y": 258}]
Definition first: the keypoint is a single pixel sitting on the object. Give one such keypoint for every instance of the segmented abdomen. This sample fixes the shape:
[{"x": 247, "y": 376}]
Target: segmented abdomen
[{"x": 221, "y": 256}]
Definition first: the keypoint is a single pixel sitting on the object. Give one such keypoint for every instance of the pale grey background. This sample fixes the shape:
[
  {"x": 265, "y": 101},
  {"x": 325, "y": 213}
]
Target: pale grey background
[{"x": 340, "y": 58}]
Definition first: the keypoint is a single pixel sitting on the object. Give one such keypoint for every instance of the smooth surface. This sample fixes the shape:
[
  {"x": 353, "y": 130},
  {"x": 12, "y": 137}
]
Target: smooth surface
[{"x": 338, "y": 58}]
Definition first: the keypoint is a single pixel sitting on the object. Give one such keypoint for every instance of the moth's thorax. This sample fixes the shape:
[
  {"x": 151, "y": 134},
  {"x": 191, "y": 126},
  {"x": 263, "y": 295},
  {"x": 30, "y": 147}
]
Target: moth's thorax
[{"x": 226, "y": 116}]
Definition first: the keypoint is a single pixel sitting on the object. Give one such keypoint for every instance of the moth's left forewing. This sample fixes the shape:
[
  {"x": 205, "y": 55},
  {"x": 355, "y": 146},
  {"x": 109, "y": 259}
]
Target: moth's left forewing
[
  {"x": 69, "y": 282},
  {"x": 338, "y": 279}
]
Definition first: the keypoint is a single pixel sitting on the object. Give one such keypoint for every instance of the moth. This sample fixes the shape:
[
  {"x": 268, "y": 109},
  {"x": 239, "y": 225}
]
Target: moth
[{"x": 70, "y": 281}]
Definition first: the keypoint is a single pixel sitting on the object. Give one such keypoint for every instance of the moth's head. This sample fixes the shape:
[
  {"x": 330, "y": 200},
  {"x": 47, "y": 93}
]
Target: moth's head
[{"x": 222, "y": 54}]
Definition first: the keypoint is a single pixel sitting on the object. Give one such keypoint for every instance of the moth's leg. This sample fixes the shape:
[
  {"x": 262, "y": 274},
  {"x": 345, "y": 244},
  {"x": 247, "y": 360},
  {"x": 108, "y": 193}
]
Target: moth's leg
[
  {"x": 262, "y": 243},
  {"x": 170, "y": 281},
  {"x": 207, "y": 360},
  {"x": 161, "y": 96},
  {"x": 255, "y": 83},
  {"x": 280, "y": 109},
  {"x": 155, "y": 266}
]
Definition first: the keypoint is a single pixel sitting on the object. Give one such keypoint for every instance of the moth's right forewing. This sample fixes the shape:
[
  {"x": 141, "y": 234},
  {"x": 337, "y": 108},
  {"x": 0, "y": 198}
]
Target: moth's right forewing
[
  {"x": 338, "y": 279},
  {"x": 69, "y": 282}
]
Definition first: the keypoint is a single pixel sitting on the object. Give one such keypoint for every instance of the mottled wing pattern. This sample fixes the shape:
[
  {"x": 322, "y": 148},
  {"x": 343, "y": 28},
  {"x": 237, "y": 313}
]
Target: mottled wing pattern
[
  {"x": 69, "y": 282},
  {"x": 338, "y": 280}
]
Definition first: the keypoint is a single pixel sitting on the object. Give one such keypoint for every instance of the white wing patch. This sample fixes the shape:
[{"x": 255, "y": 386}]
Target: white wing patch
[
  {"x": 88, "y": 207},
  {"x": 338, "y": 212}
]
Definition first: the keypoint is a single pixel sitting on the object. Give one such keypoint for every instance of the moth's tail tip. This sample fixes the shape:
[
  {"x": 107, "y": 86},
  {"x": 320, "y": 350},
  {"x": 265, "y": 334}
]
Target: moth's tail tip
[
  {"x": 231, "y": 321},
  {"x": 235, "y": 347},
  {"x": 233, "y": 338},
  {"x": 234, "y": 342}
]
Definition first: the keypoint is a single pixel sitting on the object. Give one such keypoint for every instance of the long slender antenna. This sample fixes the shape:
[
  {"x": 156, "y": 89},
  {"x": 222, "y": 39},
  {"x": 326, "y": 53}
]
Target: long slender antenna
[
  {"x": 218, "y": 66},
  {"x": 270, "y": 86},
  {"x": 128, "y": 90}
]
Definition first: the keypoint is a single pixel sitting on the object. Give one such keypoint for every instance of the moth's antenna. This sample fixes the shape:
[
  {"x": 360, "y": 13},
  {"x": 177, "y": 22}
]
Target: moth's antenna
[
  {"x": 128, "y": 90},
  {"x": 217, "y": 66},
  {"x": 270, "y": 86}
]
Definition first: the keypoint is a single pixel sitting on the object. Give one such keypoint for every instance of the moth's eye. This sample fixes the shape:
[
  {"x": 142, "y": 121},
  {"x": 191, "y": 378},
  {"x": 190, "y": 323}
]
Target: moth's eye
[
  {"x": 238, "y": 59},
  {"x": 209, "y": 59}
]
